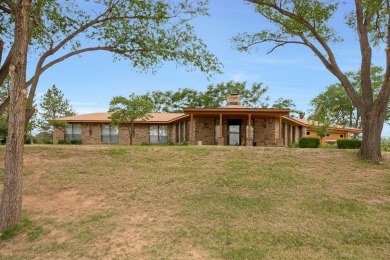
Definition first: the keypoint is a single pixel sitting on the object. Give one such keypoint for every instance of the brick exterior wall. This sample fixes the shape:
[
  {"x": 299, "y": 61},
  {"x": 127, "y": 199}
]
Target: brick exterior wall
[
  {"x": 266, "y": 132},
  {"x": 204, "y": 131},
  {"x": 57, "y": 135},
  {"x": 92, "y": 134}
]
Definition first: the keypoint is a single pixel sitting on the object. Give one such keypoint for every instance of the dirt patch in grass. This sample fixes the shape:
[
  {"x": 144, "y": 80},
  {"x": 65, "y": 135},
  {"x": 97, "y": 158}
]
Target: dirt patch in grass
[{"x": 122, "y": 202}]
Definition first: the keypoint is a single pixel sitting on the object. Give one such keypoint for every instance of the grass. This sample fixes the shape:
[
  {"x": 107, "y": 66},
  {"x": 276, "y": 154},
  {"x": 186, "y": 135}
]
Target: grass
[{"x": 163, "y": 202}]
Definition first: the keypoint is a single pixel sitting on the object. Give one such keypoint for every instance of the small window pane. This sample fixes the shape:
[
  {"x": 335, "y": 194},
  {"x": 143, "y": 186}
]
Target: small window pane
[
  {"x": 154, "y": 130},
  {"x": 163, "y": 139},
  {"x": 77, "y": 129},
  {"x": 163, "y": 130},
  {"x": 114, "y": 138},
  {"x": 105, "y": 129},
  {"x": 114, "y": 130},
  {"x": 69, "y": 129},
  {"x": 154, "y": 139}
]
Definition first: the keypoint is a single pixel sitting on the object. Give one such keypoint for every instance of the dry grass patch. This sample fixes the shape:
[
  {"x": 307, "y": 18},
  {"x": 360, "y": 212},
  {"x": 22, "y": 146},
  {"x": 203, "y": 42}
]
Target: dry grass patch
[{"x": 201, "y": 203}]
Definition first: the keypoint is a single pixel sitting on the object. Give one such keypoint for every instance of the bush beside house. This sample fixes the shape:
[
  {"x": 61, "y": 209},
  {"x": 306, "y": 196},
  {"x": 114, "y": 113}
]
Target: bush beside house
[
  {"x": 309, "y": 142},
  {"x": 349, "y": 143}
]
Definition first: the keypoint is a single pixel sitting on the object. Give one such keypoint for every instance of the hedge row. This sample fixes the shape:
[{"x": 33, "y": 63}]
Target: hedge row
[
  {"x": 349, "y": 143},
  {"x": 309, "y": 142},
  {"x": 70, "y": 142}
]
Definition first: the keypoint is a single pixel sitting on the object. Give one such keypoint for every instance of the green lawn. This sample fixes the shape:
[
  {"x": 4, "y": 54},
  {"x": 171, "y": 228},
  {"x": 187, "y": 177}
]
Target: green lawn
[{"x": 177, "y": 202}]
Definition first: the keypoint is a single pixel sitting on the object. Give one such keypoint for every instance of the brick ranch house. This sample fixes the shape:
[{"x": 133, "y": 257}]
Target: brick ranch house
[{"x": 232, "y": 124}]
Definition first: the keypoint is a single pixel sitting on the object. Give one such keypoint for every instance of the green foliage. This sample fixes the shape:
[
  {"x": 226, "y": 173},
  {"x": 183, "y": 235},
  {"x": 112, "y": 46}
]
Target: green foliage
[
  {"x": 309, "y": 142},
  {"x": 127, "y": 110},
  {"x": 213, "y": 97},
  {"x": 335, "y": 104},
  {"x": 145, "y": 143},
  {"x": 293, "y": 145},
  {"x": 70, "y": 142},
  {"x": 43, "y": 138},
  {"x": 60, "y": 125},
  {"x": 10, "y": 232},
  {"x": 53, "y": 106},
  {"x": 385, "y": 144},
  {"x": 3, "y": 127},
  {"x": 311, "y": 23},
  {"x": 322, "y": 128},
  {"x": 36, "y": 233},
  {"x": 63, "y": 142},
  {"x": 289, "y": 103},
  {"x": 144, "y": 32},
  {"x": 76, "y": 141},
  {"x": 349, "y": 143},
  {"x": 170, "y": 142}
]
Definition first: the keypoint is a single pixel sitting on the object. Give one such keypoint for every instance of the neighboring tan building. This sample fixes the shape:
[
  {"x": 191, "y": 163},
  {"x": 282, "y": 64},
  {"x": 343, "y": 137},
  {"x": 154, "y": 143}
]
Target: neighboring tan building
[{"x": 232, "y": 124}]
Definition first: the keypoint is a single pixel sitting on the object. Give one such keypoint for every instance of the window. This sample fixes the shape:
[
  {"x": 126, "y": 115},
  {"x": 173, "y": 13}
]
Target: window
[
  {"x": 341, "y": 136},
  {"x": 110, "y": 134},
  {"x": 73, "y": 132},
  {"x": 307, "y": 133},
  {"x": 158, "y": 134}
]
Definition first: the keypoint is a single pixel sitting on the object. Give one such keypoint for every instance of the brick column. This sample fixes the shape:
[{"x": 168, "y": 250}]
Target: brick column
[{"x": 220, "y": 137}]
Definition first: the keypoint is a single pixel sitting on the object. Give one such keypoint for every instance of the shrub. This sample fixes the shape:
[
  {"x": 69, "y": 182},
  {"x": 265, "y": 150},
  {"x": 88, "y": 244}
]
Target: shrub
[
  {"x": 76, "y": 142},
  {"x": 349, "y": 143},
  {"x": 63, "y": 142},
  {"x": 309, "y": 142},
  {"x": 170, "y": 142},
  {"x": 293, "y": 145},
  {"x": 145, "y": 143}
]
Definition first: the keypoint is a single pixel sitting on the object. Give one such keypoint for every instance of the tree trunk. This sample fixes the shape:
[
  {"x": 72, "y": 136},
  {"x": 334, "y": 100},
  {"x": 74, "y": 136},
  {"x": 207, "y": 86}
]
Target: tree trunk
[
  {"x": 372, "y": 125},
  {"x": 11, "y": 203}
]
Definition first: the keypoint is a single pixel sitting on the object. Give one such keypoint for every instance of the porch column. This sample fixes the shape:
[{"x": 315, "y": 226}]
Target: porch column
[
  {"x": 279, "y": 140},
  {"x": 192, "y": 137},
  {"x": 249, "y": 140},
  {"x": 220, "y": 137}
]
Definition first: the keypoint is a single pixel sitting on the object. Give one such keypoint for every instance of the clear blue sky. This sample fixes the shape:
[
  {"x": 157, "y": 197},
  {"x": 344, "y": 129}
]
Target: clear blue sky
[{"x": 291, "y": 72}]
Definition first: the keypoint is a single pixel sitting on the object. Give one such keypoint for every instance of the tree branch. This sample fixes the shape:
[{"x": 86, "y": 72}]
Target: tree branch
[
  {"x": 330, "y": 62},
  {"x": 11, "y": 5},
  {"x": 5, "y": 9},
  {"x": 53, "y": 49}
]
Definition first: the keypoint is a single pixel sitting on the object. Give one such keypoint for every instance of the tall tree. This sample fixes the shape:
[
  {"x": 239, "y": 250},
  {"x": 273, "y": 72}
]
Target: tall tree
[
  {"x": 308, "y": 23},
  {"x": 127, "y": 110},
  {"x": 53, "y": 105},
  {"x": 16, "y": 64},
  {"x": 337, "y": 106},
  {"x": 144, "y": 32}
]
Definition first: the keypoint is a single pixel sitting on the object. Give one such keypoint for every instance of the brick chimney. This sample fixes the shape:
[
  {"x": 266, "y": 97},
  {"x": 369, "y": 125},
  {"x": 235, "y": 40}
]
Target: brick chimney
[{"x": 233, "y": 99}]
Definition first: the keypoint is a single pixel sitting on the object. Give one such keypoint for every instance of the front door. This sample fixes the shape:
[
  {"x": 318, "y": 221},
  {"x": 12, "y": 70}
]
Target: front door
[{"x": 234, "y": 130}]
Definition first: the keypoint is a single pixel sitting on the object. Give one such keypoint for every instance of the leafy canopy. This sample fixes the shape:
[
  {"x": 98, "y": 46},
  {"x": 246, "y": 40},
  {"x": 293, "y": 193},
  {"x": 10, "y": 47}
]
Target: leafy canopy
[
  {"x": 214, "y": 96},
  {"x": 127, "y": 110},
  {"x": 146, "y": 33},
  {"x": 337, "y": 106},
  {"x": 53, "y": 105}
]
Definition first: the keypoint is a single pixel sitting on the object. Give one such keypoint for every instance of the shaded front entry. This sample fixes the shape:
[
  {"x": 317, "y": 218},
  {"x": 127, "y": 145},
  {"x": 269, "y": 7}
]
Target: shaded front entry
[{"x": 234, "y": 132}]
